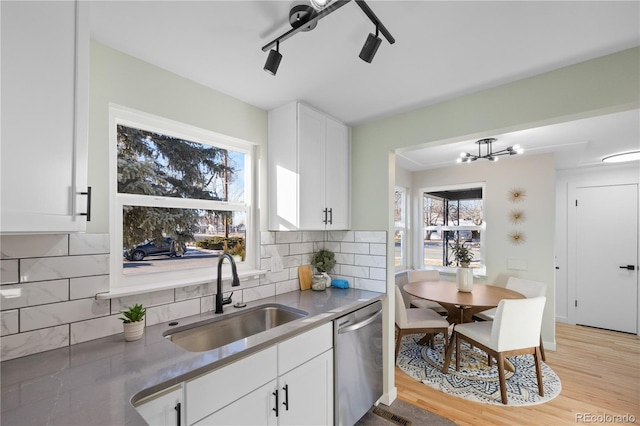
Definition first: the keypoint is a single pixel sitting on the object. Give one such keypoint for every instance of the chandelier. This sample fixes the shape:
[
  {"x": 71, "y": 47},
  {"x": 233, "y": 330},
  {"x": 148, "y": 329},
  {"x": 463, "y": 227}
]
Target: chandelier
[{"x": 465, "y": 157}]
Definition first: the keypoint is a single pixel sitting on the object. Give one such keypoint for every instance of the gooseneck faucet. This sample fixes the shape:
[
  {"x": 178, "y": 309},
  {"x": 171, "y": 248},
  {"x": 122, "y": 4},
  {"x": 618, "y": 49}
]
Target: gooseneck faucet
[{"x": 235, "y": 283}]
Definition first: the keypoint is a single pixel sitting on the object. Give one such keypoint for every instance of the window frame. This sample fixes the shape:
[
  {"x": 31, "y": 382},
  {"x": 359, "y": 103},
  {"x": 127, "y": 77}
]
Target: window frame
[
  {"x": 421, "y": 228},
  {"x": 402, "y": 227},
  {"x": 119, "y": 115}
]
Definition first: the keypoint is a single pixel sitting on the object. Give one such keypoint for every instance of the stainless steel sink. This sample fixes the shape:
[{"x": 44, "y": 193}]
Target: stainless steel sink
[{"x": 216, "y": 332}]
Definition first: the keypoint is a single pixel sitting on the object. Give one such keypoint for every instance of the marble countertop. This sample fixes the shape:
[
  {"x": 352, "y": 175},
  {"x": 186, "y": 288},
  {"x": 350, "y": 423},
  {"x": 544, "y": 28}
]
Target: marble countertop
[{"x": 93, "y": 383}]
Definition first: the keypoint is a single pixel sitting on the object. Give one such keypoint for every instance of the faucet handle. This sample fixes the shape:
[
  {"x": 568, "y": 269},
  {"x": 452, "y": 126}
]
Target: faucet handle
[{"x": 227, "y": 300}]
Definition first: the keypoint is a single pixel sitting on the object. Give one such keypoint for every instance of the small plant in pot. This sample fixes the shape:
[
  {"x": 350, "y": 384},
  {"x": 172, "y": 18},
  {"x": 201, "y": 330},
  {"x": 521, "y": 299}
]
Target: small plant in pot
[
  {"x": 133, "y": 322},
  {"x": 464, "y": 274},
  {"x": 324, "y": 261}
]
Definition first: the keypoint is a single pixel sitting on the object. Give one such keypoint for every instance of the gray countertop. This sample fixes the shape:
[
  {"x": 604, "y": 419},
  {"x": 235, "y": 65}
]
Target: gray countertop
[{"x": 93, "y": 383}]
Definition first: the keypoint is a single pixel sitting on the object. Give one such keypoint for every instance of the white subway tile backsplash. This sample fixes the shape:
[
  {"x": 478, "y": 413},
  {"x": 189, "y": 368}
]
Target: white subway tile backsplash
[
  {"x": 164, "y": 313},
  {"x": 354, "y": 271},
  {"x": 373, "y": 261},
  {"x": 371, "y": 285},
  {"x": 300, "y": 248},
  {"x": 61, "y": 313},
  {"x": 88, "y": 244},
  {"x": 23, "y": 344},
  {"x": 370, "y": 237},
  {"x": 378, "y": 249},
  {"x": 53, "y": 280},
  {"x": 378, "y": 274},
  {"x": 31, "y": 294},
  {"x": 8, "y": 322},
  {"x": 51, "y": 268},
  {"x": 9, "y": 271},
  {"x": 288, "y": 237},
  {"x": 83, "y": 331},
  {"x": 356, "y": 248},
  {"x": 260, "y": 292},
  {"x": 80, "y": 288},
  {"x": 340, "y": 236},
  {"x": 20, "y": 246}
]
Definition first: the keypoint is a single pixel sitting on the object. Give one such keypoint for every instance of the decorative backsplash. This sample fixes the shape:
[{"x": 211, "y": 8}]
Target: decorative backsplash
[{"x": 49, "y": 283}]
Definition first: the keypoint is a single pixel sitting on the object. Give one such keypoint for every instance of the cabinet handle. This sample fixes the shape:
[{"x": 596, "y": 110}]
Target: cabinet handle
[
  {"x": 286, "y": 397},
  {"x": 178, "y": 416},
  {"x": 331, "y": 216},
  {"x": 88, "y": 213},
  {"x": 628, "y": 267},
  {"x": 275, "y": 393},
  {"x": 325, "y": 216}
]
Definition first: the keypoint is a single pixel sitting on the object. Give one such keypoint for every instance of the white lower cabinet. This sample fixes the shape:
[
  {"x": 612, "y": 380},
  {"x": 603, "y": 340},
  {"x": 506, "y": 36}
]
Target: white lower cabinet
[
  {"x": 290, "y": 383},
  {"x": 163, "y": 408}
]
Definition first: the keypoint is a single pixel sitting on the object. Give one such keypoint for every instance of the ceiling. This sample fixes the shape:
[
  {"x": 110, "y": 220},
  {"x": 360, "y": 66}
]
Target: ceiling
[{"x": 443, "y": 50}]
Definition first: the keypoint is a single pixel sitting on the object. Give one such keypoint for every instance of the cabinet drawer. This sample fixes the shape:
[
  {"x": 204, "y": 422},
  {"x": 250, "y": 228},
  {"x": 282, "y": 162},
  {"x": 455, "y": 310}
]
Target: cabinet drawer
[
  {"x": 300, "y": 349},
  {"x": 212, "y": 391}
]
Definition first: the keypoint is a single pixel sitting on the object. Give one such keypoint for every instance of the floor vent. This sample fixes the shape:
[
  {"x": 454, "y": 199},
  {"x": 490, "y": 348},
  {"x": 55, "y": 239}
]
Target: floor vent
[{"x": 394, "y": 418}]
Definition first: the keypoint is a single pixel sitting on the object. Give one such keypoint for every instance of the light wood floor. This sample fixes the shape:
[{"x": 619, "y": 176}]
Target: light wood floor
[{"x": 599, "y": 371}]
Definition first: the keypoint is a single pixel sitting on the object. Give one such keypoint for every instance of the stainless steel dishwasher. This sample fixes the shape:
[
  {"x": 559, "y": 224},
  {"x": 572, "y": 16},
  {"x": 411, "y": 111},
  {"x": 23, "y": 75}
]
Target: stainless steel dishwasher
[{"x": 357, "y": 339}]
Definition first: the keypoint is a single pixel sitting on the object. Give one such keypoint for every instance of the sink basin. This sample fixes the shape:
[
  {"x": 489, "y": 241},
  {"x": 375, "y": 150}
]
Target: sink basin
[{"x": 216, "y": 332}]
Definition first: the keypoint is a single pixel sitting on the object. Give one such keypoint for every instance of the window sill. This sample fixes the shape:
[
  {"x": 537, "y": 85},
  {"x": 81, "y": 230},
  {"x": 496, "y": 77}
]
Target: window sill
[{"x": 149, "y": 288}]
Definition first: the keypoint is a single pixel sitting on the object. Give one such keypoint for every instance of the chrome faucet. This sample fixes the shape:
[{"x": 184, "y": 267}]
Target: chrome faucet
[{"x": 235, "y": 283}]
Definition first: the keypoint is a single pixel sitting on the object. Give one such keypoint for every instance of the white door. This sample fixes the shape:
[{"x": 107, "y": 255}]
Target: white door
[{"x": 607, "y": 257}]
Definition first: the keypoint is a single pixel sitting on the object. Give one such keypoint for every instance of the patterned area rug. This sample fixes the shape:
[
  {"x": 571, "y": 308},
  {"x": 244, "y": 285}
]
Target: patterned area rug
[{"x": 476, "y": 381}]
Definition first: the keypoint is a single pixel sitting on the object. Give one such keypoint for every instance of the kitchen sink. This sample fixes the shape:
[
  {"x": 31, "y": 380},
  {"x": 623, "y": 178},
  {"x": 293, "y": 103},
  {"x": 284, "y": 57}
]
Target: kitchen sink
[{"x": 216, "y": 332}]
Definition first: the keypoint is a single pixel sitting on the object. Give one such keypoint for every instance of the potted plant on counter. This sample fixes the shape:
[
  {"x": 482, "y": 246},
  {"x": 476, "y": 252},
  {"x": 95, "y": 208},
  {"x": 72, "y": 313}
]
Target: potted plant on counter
[
  {"x": 464, "y": 274},
  {"x": 324, "y": 261},
  {"x": 133, "y": 322}
]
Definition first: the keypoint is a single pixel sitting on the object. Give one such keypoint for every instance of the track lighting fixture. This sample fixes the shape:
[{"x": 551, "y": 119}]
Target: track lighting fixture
[
  {"x": 370, "y": 47},
  {"x": 305, "y": 18},
  {"x": 621, "y": 158},
  {"x": 273, "y": 60},
  {"x": 465, "y": 157}
]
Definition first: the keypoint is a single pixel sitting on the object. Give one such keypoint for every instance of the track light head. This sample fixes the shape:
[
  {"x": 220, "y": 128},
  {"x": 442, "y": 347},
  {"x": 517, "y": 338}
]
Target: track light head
[
  {"x": 273, "y": 60},
  {"x": 370, "y": 47}
]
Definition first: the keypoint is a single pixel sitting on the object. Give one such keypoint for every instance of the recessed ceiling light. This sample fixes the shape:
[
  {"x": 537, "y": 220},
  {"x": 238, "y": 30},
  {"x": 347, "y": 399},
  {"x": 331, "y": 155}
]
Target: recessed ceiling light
[
  {"x": 622, "y": 157},
  {"x": 320, "y": 4}
]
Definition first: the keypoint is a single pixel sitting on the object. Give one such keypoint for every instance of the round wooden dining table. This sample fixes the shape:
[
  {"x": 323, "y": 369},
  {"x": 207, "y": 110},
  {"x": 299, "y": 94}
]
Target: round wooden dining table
[{"x": 461, "y": 306}]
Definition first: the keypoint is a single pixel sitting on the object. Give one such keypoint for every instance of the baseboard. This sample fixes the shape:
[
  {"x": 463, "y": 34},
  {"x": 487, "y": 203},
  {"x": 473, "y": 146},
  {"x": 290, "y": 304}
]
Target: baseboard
[{"x": 388, "y": 397}]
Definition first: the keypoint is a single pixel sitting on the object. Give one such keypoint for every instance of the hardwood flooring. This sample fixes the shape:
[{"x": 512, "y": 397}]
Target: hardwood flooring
[{"x": 600, "y": 375}]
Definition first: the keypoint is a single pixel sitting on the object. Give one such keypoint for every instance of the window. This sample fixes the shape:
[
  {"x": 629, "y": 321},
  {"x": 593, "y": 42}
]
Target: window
[
  {"x": 400, "y": 219},
  {"x": 182, "y": 197},
  {"x": 449, "y": 215}
]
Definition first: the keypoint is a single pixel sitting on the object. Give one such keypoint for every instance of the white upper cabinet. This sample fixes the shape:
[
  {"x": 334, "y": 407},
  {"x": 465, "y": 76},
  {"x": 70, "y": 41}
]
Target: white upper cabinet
[
  {"x": 309, "y": 178},
  {"x": 45, "y": 88}
]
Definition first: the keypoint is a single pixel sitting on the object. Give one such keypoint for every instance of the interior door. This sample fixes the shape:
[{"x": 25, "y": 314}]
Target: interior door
[{"x": 607, "y": 257}]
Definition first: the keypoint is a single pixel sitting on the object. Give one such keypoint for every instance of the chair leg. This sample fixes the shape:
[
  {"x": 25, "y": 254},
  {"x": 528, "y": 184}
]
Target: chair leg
[
  {"x": 544, "y": 358},
  {"x": 398, "y": 340},
  {"x": 536, "y": 355},
  {"x": 503, "y": 383},
  {"x": 458, "y": 354},
  {"x": 448, "y": 352}
]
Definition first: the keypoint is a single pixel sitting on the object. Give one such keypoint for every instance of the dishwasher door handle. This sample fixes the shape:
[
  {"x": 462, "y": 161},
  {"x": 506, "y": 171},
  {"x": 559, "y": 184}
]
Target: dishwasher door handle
[{"x": 360, "y": 324}]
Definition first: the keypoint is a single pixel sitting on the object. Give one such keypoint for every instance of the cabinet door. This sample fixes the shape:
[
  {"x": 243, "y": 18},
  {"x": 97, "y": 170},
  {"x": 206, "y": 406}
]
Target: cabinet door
[
  {"x": 307, "y": 393},
  {"x": 256, "y": 408},
  {"x": 45, "y": 62},
  {"x": 163, "y": 409},
  {"x": 337, "y": 181},
  {"x": 311, "y": 170}
]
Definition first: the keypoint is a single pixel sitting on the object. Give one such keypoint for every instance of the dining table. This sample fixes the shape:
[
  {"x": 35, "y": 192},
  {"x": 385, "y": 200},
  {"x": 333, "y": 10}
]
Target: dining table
[{"x": 461, "y": 306}]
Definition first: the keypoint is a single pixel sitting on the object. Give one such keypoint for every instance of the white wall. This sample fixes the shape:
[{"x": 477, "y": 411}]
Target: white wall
[
  {"x": 566, "y": 182},
  {"x": 535, "y": 257}
]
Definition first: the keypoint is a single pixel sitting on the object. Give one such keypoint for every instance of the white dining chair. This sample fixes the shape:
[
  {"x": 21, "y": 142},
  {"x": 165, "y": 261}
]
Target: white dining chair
[
  {"x": 528, "y": 289},
  {"x": 412, "y": 321},
  {"x": 515, "y": 330},
  {"x": 425, "y": 275}
]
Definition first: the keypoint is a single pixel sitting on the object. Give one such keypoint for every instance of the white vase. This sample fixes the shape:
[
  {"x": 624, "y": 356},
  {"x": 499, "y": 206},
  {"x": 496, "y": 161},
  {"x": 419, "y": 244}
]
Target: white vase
[
  {"x": 327, "y": 279},
  {"x": 133, "y": 330},
  {"x": 464, "y": 279}
]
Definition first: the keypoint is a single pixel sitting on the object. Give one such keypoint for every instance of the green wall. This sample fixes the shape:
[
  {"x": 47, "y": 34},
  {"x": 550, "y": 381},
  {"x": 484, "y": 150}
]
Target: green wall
[{"x": 124, "y": 80}]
